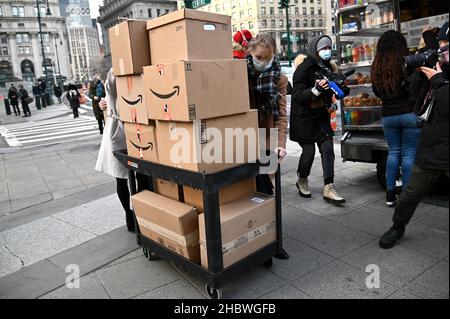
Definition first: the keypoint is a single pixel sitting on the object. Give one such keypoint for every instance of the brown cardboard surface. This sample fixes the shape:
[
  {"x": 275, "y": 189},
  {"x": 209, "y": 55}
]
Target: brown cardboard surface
[
  {"x": 197, "y": 90},
  {"x": 252, "y": 215},
  {"x": 227, "y": 194},
  {"x": 131, "y": 99},
  {"x": 168, "y": 189},
  {"x": 141, "y": 141},
  {"x": 189, "y": 140},
  {"x": 190, "y": 35},
  {"x": 168, "y": 222},
  {"x": 130, "y": 50}
]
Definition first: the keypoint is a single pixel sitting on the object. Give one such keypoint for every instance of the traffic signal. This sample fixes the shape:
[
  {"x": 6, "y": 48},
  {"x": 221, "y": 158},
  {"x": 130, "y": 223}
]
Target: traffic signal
[{"x": 283, "y": 4}]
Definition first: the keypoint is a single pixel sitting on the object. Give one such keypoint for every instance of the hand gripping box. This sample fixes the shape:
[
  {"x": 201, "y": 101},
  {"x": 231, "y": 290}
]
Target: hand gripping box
[
  {"x": 190, "y": 35},
  {"x": 196, "y": 90}
]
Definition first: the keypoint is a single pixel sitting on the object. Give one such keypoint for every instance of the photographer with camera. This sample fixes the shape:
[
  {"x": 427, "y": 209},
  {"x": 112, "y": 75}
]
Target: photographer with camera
[
  {"x": 396, "y": 86},
  {"x": 310, "y": 124},
  {"x": 432, "y": 158}
]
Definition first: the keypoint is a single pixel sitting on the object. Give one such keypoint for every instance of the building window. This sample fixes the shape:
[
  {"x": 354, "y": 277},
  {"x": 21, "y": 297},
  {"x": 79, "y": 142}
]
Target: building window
[
  {"x": 3, "y": 39},
  {"x": 250, "y": 25},
  {"x": 21, "y": 12},
  {"x": 313, "y": 23},
  {"x": 303, "y": 1},
  {"x": 5, "y": 51},
  {"x": 242, "y": 26},
  {"x": 158, "y": 12},
  {"x": 319, "y": 11},
  {"x": 217, "y": 8},
  {"x": 304, "y": 11},
  {"x": 319, "y": 1},
  {"x": 1, "y": 12},
  {"x": 297, "y": 11},
  {"x": 281, "y": 23},
  {"x": 250, "y": 12},
  {"x": 272, "y": 11},
  {"x": 320, "y": 23},
  {"x": 19, "y": 38},
  {"x": 234, "y": 28},
  {"x": 272, "y": 23},
  {"x": 297, "y": 23},
  {"x": 21, "y": 50},
  {"x": 225, "y": 6},
  {"x": 241, "y": 14},
  {"x": 263, "y": 10},
  {"x": 167, "y": 11},
  {"x": 15, "y": 11},
  {"x": 264, "y": 24},
  {"x": 42, "y": 10},
  {"x": 305, "y": 22},
  {"x": 312, "y": 10},
  {"x": 311, "y": 1},
  {"x": 150, "y": 13},
  {"x": 263, "y": 1}
]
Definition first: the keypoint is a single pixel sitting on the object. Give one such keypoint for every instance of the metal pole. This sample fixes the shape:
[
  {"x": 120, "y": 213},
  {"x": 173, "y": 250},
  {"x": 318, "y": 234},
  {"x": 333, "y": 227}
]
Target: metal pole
[
  {"x": 288, "y": 26},
  {"x": 42, "y": 47}
]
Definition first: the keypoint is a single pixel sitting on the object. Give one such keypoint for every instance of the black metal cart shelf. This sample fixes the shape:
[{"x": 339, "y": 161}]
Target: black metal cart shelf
[{"x": 210, "y": 184}]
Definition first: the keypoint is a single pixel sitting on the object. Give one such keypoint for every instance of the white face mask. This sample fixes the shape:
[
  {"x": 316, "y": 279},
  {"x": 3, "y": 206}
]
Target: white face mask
[
  {"x": 262, "y": 66},
  {"x": 325, "y": 55}
]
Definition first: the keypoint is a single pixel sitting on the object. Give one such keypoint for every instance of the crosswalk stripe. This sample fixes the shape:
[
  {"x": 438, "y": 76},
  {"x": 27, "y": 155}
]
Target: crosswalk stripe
[
  {"x": 52, "y": 128},
  {"x": 92, "y": 129},
  {"x": 52, "y": 124},
  {"x": 56, "y": 137}
]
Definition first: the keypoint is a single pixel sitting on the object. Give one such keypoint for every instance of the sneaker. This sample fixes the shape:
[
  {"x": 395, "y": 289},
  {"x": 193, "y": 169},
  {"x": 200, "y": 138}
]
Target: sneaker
[
  {"x": 303, "y": 187},
  {"x": 391, "y": 198},
  {"x": 390, "y": 238},
  {"x": 330, "y": 195}
]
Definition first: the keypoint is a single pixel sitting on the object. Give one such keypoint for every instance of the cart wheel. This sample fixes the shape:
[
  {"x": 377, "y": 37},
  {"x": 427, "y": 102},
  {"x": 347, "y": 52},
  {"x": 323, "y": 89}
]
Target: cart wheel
[
  {"x": 213, "y": 293},
  {"x": 149, "y": 255},
  {"x": 268, "y": 263}
]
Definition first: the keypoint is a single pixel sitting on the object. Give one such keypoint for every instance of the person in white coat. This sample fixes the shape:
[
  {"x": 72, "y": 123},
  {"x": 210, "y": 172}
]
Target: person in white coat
[{"x": 114, "y": 140}]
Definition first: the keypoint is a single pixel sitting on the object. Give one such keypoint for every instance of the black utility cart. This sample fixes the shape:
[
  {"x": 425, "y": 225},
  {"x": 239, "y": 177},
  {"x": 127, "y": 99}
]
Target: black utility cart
[{"x": 215, "y": 276}]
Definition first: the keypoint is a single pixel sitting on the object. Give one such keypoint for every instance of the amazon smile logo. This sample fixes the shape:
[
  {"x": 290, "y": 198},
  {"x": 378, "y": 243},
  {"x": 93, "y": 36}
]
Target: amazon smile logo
[
  {"x": 139, "y": 100},
  {"x": 167, "y": 96},
  {"x": 149, "y": 147}
]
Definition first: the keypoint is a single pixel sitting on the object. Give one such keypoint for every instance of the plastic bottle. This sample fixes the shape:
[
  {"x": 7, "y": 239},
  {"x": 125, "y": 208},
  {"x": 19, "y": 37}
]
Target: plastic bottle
[{"x": 349, "y": 53}]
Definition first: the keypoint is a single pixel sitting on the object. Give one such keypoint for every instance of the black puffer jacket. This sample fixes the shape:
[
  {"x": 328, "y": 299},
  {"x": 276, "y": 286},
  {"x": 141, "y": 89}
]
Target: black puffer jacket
[
  {"x": 310, "y": 120},
  {"x": 432, "y": 151}
]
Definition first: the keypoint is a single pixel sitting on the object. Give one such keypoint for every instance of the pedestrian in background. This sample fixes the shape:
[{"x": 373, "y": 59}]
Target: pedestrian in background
[
  {"x": 96, "y": 93},
  {"x": 13, "y": 97},
  {"x": 395, "y": 85},
  {"x": 312, "y": 101},
  {"x": 58, "y": 93},
  {"x": 268, "y": 89},
  {"x": 432, "y": 158},
  {"x": 73, "y": 96},
  {"x": 25, "y": 99}
]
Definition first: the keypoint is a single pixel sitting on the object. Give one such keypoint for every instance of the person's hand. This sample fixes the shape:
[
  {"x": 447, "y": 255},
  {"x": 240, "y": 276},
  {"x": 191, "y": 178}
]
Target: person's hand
[
  {"x": 281, "y": 153},
  {"x": 103, "y": 105},
  {"x": 429, "y": 73},
  {"x": 322, "y": 85}
]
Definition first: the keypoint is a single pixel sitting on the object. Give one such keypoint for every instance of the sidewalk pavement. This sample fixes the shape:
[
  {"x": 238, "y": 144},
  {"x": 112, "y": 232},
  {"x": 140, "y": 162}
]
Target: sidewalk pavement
[{"x": 330, "y": 246}]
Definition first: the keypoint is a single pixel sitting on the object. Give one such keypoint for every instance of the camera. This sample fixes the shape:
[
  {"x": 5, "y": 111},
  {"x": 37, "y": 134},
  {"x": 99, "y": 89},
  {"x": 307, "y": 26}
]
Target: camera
[
  {"x": 428, "y": 59},
  {"x": 335, "y": 81}
]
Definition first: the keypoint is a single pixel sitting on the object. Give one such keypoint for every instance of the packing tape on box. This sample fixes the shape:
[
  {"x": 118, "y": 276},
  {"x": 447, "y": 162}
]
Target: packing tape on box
[
  {"x": 116, "y": 30},
  {"x": 130, "y": 87},
  {"x": 121, "y": 66},
  {"x": 243, "y": 239},
  {"x": 188, "y": 240}
]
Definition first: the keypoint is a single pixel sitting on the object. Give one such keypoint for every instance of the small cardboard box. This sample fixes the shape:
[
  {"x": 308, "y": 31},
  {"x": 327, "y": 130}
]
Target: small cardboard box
[
  {"x": 141, "y": 141},
  {"x": 211, "y": 145},
  {"x": 130, "y": 49},
  {"x": 172, "y": 224},
  {"x": 227, "y": 194},
  {"x": 197, "y": 90},
  {"x": 131, "y": 99},
  {"x": 169, "y": 189},
  {"x": 248, "y": 224},
  {"x": 190, "y": 35}
]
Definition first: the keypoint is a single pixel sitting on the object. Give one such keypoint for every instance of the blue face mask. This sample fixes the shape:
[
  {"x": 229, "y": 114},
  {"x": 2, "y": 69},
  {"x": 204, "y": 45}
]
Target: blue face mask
[
  {"x": 325, "y": 55},
  {"x": 262, "y": 66}
]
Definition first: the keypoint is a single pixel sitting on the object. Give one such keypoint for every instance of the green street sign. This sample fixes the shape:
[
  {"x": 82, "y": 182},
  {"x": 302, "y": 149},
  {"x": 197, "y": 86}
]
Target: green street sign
[{"x": 195, "y": 4}]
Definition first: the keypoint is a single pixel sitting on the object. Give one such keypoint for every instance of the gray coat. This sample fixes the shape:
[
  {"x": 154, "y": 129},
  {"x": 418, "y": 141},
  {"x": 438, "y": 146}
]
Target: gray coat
[{"x": 113, "y": 135}]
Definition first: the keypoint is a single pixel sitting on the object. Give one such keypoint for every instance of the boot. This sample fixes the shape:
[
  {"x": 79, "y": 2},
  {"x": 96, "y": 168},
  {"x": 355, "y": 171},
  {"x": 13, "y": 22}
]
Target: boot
[
  {"x": 283, "y": 255},
  {"x": 389, "y": 239},
  {"x": 391, "y": 198},
  {"x": 330, "y": 195},
  {"x": 303, "y": 187},
  {"x": 130, "y": 222}
]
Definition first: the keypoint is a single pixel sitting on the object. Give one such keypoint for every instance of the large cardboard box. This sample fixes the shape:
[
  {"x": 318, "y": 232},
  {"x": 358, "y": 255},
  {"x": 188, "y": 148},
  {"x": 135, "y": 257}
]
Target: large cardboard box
[
  {"x": 227, "y": 194},
  {"x": 172, "y": 224},
  {"x": 190, "y": 35},
  {"x": 169, "y": 189},
  {"x": 131, "y": 99},
  {"x": 211, "y": 145},
  {"x": 197, "y": 90},
  {"x": 248, "y": 224},
  {"x": 130, "y": 49},
  {"x": 141, "y": 141}
]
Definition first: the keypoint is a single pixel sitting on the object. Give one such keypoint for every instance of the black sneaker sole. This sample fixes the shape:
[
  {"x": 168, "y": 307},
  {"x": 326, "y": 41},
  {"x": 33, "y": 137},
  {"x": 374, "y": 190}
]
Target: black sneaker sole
[
  {"x": 302, "y": 194},
  {"x": 329, "y": 200},
  {"x": 387, "y": 246}
]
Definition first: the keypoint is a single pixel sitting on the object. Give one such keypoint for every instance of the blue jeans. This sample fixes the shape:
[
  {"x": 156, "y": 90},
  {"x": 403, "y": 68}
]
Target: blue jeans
[{"x": 402, "y": 135}]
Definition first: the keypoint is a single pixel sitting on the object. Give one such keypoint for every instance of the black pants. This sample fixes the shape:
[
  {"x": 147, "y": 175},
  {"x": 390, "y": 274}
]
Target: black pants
[
  {"x": 26, "y": 109},
  {"x": 75, "y": 112},
  {"x": 101, "y": 122},
  {"x": 419, "y": 185},
  {"x": 143, "y": 182},
  {"x": 306, "y": 161},
  {"x": 16, "y": 108}
]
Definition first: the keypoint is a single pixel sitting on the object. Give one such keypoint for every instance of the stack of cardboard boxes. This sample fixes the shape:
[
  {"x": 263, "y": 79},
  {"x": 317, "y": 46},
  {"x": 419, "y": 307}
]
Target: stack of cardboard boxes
[{"x": 175, "y": 74}]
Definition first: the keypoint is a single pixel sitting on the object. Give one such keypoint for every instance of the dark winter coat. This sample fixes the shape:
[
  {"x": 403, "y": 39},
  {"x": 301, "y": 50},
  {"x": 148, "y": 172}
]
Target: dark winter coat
[
  {"x": 310, "y": 120},
  {"x": 432, "y": 151},
  {"x": 23, "y": 94},
  {"x": 95, "y": 103},
  {"x": 13, "y": 96},
  {"x": 74, "y": 99}
]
